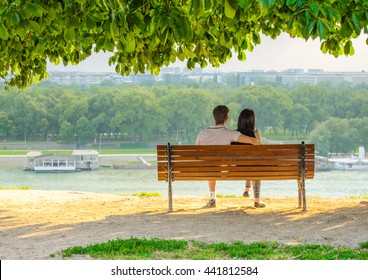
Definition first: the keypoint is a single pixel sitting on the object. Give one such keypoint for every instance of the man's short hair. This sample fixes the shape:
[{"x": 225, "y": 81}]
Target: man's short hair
[{"x": 220, "y": 114}]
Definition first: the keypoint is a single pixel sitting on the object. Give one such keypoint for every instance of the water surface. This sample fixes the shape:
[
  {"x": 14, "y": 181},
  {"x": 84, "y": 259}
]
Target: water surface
[{"x": 336, "y": 183}]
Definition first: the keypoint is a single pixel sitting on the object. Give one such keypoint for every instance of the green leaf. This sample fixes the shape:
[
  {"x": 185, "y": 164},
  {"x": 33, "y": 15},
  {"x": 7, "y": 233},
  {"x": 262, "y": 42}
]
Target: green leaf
[
  {"x": 323, "y": 47},
  {"x": 268, "y": 3},
  {"x": 290, "y": 2},
  {"x": 348, "y": 48},
  {"x": 138, "y": 20},
  {"x": 322, "y": 30},
  {"x": 229, "y": 10},
  {"x": 310, "y": 27},
  {"x": 109, "y": 45},
  {"x": 3, "y": 32},
  {"x": 81, "y": 1},
  {"x": 35, "y": 26},
  {"x": 34, "y": 10},
  {"x": 15, "y": 18},
  {"x": 314, "y": 9},
  {"x": 100, "y": 43},
  {"x": 245, "y": 3},
  {"x": 256, "y": 38},
  {"x": 130, "y": 44},
  {"x": 188, "y": 29},
  {"x": 356, "y": 23},
  {"x": 346, "y": 29},
  {"x": 197, "y": 7},
  {"x": 69, "y": 33},
  {"x": 208, "y": 4}
]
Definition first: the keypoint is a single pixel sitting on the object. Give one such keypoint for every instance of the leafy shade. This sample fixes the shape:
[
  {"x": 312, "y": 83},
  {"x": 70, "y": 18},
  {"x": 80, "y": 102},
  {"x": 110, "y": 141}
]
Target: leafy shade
[{"x": 145, "y": 35}]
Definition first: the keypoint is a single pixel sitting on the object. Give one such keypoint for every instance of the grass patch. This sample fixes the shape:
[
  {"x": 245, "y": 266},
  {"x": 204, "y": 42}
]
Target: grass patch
[
  {"x": 102, "y": 152},
  {"x": 143, "y": 194},
  {"x": 161, "y": 249},
  {"x": 15, "y": 188},
  {"x": 127, "y": 152},
  {"x": 229, "y": 196},
  {"x": 11, "y": 153},
  {"x": 362, "y": 196}
]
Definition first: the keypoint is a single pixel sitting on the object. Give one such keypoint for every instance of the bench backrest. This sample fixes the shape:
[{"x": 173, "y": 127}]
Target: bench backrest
[{"x": 235, "y": 162}]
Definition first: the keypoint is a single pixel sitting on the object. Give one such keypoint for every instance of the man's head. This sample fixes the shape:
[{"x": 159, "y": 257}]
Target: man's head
[{"x": 221, "y": 114}]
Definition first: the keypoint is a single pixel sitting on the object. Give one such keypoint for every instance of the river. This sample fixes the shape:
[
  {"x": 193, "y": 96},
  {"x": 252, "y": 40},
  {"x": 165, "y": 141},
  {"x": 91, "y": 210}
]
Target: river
[{"x": 335, "y": 183}]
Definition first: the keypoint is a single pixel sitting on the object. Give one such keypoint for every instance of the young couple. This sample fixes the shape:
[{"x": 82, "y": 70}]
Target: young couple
[{"x": 219, "y": 134}]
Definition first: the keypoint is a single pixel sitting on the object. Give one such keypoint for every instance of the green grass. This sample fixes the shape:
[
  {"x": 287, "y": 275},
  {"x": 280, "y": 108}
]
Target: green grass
[
  {"x": 14, "y": 188},
  {"x": 13, "y": 152},
  {"x": 160, "y": 249},
  {"x": 143, "y": 194},
  {"x": 228, "y": 196},
  {"x": 24, "y": 152},
  {"x": 102, "y": 152},
  {"x": 362, "y": 196},
  {"x": 127, "y": 152}
]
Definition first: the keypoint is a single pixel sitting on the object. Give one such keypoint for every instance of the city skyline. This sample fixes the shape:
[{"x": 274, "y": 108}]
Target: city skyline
[{"x": 280, "y": 54}]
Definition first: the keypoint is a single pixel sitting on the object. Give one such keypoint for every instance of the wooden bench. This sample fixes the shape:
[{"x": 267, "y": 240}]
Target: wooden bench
[{"x": 236, "y": 162}]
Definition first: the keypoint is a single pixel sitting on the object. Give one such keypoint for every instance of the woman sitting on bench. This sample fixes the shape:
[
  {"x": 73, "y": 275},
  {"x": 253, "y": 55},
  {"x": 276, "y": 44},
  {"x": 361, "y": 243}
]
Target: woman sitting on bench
[{"x": 246, "y": 125}]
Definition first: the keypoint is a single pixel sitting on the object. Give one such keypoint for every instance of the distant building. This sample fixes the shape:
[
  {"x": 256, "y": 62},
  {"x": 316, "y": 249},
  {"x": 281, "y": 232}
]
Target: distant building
[{"x": 289, "y": 77}]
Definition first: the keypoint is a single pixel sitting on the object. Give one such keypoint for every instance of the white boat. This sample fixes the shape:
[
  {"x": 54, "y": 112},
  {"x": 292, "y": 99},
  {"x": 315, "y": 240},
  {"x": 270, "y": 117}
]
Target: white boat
[
  {"x": 322, "y": 164},
  {"x": 349, "y": 164},
  {"x": 352, "y": 163},
  {"x": 85, "y": 159},
  {"x": 52, "y": 163}
]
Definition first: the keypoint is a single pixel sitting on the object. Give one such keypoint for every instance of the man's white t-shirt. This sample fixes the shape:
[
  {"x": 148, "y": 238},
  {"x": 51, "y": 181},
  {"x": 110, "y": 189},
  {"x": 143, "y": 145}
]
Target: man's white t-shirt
[{"x": 217, "y": 135}]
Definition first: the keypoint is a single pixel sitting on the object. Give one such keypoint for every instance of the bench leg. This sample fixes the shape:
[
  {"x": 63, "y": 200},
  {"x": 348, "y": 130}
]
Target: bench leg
[
  {"x": 304, "y": 200},
  {"x": 301, "y": 195},
  {"x": 170, "y": 196}
]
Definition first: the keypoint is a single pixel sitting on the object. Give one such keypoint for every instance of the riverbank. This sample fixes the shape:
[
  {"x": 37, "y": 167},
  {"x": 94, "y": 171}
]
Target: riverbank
[{"x": 36, "y": 224}]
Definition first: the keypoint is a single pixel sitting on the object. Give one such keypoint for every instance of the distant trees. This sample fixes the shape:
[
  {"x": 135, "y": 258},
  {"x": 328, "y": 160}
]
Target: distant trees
[{"x": 335, "y": 119}]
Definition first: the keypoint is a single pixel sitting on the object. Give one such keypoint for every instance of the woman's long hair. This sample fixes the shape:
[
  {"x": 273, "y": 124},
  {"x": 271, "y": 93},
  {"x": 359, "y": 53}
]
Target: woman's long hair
[{"x": 246, "y": 122}]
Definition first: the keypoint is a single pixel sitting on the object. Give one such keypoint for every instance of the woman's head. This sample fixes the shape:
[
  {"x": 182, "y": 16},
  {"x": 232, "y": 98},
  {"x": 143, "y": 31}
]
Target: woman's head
[{"x": 246, "y": 120}]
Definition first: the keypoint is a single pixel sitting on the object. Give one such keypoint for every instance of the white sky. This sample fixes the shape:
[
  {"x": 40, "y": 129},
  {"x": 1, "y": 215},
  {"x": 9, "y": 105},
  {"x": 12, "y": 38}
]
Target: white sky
[{"x": 280, "y": 54}]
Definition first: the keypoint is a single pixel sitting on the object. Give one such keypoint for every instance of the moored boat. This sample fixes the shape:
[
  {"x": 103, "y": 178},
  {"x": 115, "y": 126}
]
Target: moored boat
[{"x": 54, "y": 163}]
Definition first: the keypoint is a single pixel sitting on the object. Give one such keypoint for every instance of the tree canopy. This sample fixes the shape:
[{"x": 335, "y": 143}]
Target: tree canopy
[{"x": 145, "y": 35}]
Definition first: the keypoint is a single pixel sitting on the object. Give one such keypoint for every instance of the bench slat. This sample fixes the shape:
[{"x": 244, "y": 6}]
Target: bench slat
[
  {"x": 236, "y": 168},
  {"x": 162, "y": 150},
  {"x": 233, "y": 163},
  {"x": 235, "y": 147},
  {"x": 253, "y": 153},
  {"x": 163, "y": 177}
]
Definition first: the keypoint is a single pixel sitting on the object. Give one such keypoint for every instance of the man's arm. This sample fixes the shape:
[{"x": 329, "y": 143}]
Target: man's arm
[{"x": 248, "y": 140}]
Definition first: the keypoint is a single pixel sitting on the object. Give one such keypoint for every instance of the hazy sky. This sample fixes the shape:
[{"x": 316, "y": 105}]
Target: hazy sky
[{"x": 280, "y": 54}]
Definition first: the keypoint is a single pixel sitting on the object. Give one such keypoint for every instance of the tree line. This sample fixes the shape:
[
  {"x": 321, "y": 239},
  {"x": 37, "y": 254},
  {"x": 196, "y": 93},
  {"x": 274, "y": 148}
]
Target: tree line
[{"x": 335, "y": 119}]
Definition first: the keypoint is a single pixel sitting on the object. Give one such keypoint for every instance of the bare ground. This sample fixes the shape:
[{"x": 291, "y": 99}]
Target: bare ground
[{"x": 35, "y": 224}]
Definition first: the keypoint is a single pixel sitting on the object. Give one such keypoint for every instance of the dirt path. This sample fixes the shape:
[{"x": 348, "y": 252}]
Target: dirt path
[{"x": 35, "y": 224}]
